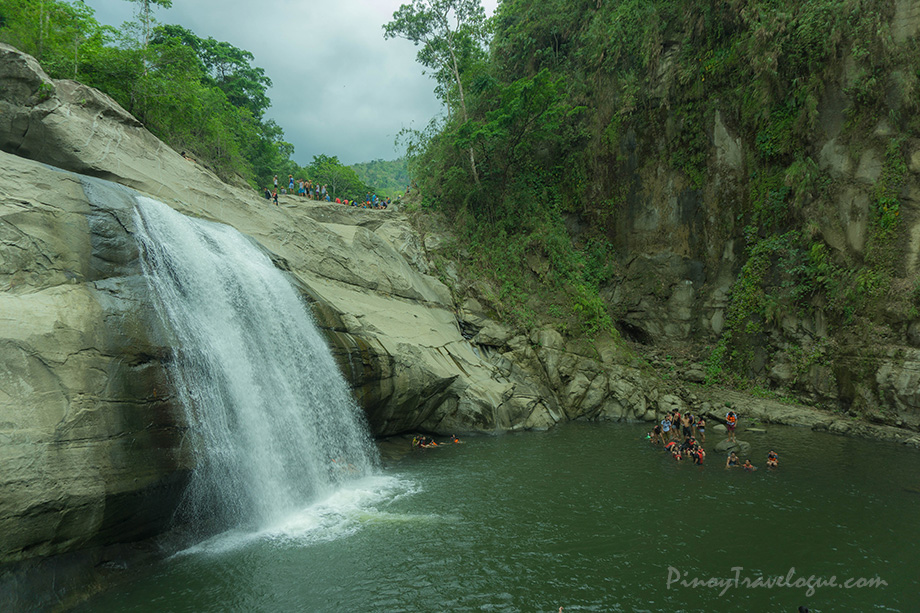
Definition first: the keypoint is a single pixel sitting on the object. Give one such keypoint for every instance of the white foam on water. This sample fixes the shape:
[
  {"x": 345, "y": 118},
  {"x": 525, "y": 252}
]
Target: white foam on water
[{"x": 356, "y": 505}]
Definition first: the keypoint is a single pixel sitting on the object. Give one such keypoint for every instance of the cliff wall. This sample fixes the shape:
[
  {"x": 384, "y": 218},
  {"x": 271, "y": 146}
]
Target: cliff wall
[{"x": 784, "y": 255}]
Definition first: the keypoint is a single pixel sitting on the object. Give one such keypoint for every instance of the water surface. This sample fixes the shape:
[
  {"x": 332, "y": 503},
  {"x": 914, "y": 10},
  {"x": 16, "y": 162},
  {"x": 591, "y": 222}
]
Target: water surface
[{"x": 589, "y": 517}]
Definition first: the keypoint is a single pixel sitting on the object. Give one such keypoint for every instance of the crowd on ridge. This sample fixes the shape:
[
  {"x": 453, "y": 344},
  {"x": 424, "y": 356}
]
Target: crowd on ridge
[{"x": 315, "y": 191}]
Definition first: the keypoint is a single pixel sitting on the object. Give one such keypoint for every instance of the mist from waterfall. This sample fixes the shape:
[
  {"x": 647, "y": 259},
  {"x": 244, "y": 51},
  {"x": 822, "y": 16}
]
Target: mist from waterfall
[{"x": 271, "y": 421}]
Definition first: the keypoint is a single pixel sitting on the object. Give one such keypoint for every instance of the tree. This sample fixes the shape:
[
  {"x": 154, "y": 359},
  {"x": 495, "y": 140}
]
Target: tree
[
  {"x": 386, "y": 177},
  {"x": 225, "y": 66},
  {"x": 444, "y": 29},
  {"x": 145, "y": 16},
  {"x": 329, "y": 171},
  {"x": 57, "y": 33}
]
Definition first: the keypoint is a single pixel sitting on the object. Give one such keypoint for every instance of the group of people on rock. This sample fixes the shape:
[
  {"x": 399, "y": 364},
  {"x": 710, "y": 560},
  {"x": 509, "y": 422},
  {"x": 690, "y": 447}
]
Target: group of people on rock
[
  {"x": 675, "y": 427},
  {"x": 674, "y": 424},
  {"x": 424, "y": 442},
  {"x": 308, "y": 189},
  {"x": 371, "y": 201},
  {"x": 303, "y": 188}
]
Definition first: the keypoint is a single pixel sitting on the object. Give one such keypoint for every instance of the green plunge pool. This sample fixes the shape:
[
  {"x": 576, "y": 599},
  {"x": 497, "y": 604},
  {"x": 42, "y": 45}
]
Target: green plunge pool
[{"x": 587, "y": 517}]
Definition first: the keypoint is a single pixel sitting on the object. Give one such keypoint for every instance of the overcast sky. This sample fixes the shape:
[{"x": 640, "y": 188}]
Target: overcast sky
[{"x": 338, "y": 87}]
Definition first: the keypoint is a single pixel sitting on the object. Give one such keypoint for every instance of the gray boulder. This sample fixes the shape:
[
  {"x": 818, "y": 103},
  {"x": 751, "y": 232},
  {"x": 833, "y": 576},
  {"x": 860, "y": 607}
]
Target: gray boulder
[{"x": 740, "y": 447}]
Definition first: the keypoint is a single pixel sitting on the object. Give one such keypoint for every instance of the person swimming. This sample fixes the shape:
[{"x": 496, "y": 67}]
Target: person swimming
[
  {"x": 732, "y": 460},
  {"x": 772, "y": 459},
  {"x": 748, "y": 466},
  {"x": 699, "y": 454}
]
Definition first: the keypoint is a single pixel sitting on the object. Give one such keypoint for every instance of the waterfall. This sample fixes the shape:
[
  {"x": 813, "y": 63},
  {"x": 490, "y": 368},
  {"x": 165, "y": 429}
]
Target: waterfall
[{"x": 271, "y": 420}]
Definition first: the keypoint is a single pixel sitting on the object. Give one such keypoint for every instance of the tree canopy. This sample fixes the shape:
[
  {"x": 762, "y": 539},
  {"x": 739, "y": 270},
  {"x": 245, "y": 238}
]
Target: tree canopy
[
  {"x": 451, "y": 34},
  {"x": 198, "y": 94},
  {"x": 341, "y": 181},
  {"x": 575, "y": 101}
]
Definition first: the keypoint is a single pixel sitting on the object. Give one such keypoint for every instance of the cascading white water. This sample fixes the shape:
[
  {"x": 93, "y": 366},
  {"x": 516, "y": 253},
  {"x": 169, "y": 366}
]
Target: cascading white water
[{"x": 272, "y": 423}]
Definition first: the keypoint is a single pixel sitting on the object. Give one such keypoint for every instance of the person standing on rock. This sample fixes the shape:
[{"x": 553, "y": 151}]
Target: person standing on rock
[
  {"x": 731, "y": 420},
  {"x": 666, "y": 428},
  {"x": 701, "y": 429},
  {"x": 687, "y": 423}
]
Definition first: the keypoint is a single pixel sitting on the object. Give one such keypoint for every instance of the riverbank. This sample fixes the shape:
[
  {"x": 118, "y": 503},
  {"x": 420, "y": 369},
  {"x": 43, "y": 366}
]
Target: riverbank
[
  {"x": 682, "y": 368},
  {"x": 765, "y": 411}
]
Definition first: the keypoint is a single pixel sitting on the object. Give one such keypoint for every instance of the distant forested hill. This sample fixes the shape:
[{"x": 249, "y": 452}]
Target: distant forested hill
[{"x": 385, "y": 177}]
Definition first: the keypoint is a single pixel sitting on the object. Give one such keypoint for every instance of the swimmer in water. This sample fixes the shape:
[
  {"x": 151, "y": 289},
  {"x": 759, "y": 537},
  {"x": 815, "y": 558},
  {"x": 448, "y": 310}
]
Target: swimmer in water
[
  {"x": 699, "y": 455},
  {"x": 772, "y": 459},
  {"x": 732, "y": 460},
  {"x": 748, "y": 466}
]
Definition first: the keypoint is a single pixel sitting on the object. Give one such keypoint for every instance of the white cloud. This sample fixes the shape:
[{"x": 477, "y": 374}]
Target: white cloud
[{"x": 338, "y": 87}]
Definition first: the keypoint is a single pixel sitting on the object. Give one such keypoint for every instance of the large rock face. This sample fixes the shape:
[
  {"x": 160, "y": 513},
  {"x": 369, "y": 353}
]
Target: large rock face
[
  {"x": 91, "y": 436},
  {"x": 682, "y": 244}
]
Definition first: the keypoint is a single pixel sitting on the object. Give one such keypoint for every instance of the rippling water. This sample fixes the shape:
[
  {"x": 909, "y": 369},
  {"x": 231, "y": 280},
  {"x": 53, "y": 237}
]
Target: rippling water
[{"x": 587, "y": 517}]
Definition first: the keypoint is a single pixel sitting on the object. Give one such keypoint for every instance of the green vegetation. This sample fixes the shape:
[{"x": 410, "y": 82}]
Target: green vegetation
[
  {"x": 387, "y": 178},
  {"x": 341, "y": 181},
  {"x": 199, "y": 95},
  {"x": 557, "y": 113},
  {"x": 558, "y": 117}
]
